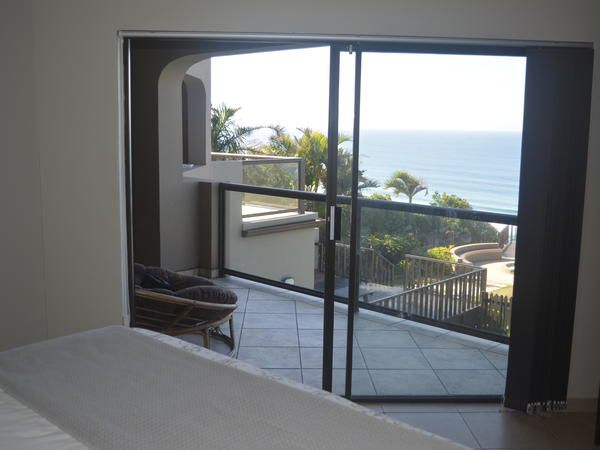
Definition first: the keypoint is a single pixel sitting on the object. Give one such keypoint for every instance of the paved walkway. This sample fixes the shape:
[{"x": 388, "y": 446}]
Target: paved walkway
[
  {"x": 282, "y": 332},
  {"x": 498, "y": 275}
]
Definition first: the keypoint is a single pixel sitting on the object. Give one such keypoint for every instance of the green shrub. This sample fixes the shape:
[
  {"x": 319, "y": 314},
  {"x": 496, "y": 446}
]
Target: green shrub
[
  {"x": 393, "y": 247},
  {"x": 441, "y": 253}
]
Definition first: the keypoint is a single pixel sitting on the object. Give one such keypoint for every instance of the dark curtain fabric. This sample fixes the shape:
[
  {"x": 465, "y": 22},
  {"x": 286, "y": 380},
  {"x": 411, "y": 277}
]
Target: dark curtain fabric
[{"x": 552, "y": 188}]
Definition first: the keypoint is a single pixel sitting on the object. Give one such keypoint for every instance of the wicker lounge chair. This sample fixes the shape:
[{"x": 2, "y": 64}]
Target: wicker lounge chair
[{"x": 177, "y": 304}]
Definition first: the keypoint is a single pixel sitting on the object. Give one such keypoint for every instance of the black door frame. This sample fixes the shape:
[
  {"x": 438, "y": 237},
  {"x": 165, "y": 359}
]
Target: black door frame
[
  {"x": 332, "y": 201},
  {"x": 330, "y": 208}
]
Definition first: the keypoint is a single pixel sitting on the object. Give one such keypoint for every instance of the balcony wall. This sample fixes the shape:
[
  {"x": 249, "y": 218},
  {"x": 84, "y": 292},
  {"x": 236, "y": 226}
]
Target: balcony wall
[{"x": 274, "y": 256}]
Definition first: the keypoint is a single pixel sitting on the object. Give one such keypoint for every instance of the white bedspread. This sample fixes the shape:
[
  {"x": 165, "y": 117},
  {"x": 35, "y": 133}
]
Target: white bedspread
[
  {"x": 23, "y": 429},
  {"x": 115, "y": 388}
]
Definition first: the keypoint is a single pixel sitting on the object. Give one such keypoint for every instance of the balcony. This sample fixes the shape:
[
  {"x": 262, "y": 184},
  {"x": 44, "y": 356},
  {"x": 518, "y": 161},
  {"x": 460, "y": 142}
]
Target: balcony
[
  {"x": 424, "y": 326},
  {"x": 282, "y": 332}
]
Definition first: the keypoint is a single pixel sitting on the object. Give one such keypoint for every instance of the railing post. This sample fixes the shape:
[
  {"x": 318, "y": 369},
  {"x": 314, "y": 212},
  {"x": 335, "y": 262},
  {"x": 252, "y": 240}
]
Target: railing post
[
  {"x": 470, "y": 291},
  {"x": 301, "y": 185},
  {"x": 484, "y": 279},
  {"x": 463, "y": 296},
  {"x": 440, "y": 305},
  {"x": 449, "y": 297},
  {"x": 485, "y": 305},
  {"x": 221, "y": 219}
]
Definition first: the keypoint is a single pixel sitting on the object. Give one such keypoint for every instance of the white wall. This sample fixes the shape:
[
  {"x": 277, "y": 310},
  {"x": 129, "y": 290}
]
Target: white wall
[
  {"x": 274, "y": 256},
  {"x": 77, "y": 118},
  {"x": 22, "y": 301},
  {"x": 181, "y": 208}
]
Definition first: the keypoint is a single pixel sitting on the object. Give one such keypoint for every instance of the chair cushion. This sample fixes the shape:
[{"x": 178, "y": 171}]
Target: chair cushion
[
  {"x": 150, "y": 277},
  {"x": 180, "y": 281},
  {"x": 138, "y": 273},
  {"x": 209, "y": 294},
  {"x": 151, "y": 281}
]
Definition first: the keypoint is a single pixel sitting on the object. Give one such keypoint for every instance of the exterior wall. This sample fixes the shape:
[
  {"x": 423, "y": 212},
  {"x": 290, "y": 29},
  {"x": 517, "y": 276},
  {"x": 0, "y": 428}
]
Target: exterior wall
[
  {"x": 274, "y": 256},
  {"x": 201, "y": 72},
  {"x": 182, "y": 212},
  {"x": 73, "y": 127},
  {"x": 195, "y": 111},
  {"x": 206, "y": 176}
]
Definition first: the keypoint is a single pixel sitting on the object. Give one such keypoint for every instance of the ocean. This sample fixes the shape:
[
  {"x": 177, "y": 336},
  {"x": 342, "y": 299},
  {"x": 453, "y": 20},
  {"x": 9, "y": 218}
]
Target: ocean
[{"x": 481, "y": 167}]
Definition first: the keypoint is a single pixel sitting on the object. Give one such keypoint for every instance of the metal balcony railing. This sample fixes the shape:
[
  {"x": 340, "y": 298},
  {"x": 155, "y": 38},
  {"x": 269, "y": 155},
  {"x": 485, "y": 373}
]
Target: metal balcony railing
[{"x": 445, "y": 294}]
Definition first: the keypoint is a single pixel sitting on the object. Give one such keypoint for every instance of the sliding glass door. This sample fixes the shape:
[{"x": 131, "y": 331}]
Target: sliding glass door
[
  {"x": 385, "y": 184},
  {"x": 434, "y": 147}
]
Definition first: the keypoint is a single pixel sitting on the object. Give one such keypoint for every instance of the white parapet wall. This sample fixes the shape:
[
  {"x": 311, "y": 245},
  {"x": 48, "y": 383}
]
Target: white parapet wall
[
  {"x": 472, "y": 253},
  {"x": 276, "y": 253}
]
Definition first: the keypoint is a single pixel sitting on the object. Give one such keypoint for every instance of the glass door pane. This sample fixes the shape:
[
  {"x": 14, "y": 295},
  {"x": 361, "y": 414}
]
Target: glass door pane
[
  {"x": 438, "y": 134},
  {"x": 277, "y": 104}
]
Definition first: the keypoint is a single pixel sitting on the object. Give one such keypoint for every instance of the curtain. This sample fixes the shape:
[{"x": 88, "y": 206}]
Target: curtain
[{"x": 552, "y": 188}]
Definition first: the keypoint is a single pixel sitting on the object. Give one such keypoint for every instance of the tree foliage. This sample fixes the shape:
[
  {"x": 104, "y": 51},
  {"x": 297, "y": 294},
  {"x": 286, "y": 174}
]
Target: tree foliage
[
  {"x": 344, "y": 175},
  {"x": 280, "y": 143},
  {"x": 427, "y": 231},
  {"x": 226, "y": 135},
  {"x": 449, "y": 201},
  {"x": 441, "y": 253},
  {"x": 402, "y": 182},
  {"x": 393, "y": 246},
  {"x": 311, "y": 145}
]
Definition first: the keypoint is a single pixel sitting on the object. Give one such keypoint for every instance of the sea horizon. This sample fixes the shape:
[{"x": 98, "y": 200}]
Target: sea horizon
[{"x": 482, "y": 167}]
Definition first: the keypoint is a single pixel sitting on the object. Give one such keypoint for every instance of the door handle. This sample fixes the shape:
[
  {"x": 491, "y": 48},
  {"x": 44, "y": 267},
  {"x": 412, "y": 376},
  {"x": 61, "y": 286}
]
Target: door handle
[{"x": 335, "y": 223}]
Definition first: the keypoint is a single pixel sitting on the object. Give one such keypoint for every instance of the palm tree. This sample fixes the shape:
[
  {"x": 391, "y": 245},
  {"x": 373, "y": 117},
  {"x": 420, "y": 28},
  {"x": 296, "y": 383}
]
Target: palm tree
[
  {"x": 312, "y": 147},
  {"x": 404, "y": 183},
  {"x": 344, "y": 175},
  {"x": 280, "y": 143},
  {"x": 226, "y": 135}
]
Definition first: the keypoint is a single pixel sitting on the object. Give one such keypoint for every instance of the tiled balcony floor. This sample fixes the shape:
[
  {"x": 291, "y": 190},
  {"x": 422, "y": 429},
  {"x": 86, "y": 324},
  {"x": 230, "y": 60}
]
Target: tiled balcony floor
[{"x": 282, "y": 332}]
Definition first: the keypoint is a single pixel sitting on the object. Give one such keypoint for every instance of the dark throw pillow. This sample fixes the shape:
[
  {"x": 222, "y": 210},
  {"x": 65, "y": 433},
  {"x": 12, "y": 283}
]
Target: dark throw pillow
[{"x": 153, "y": 282}]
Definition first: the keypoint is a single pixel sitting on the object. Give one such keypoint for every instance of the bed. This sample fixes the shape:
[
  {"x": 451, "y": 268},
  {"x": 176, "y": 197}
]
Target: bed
[{"x": 121, "y": 388}]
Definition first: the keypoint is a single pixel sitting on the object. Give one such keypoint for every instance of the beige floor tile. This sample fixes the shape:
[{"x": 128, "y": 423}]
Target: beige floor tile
[
  {"x": 575, "y": 431},
  {"x": 479, "y": 407},
  {"x": 418, "y": 407},
  {"x": 508, "y": 430},
  {"x": 448, "y": 425}
]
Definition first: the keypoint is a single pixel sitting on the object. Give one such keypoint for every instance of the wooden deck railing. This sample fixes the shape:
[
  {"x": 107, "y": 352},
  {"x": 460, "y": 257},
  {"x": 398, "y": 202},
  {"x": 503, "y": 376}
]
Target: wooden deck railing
[
  {"x": 440, "y": 300},
  {"x": 418, "y": 271},
  {"x": 454, "y": 292},
  {"x": 496, "y": 312},
  {"x": 421, "y": 271}
]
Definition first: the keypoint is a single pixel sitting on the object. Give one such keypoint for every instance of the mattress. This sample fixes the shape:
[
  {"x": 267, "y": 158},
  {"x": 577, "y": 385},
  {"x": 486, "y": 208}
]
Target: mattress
[{"x": 118, "y": 388}]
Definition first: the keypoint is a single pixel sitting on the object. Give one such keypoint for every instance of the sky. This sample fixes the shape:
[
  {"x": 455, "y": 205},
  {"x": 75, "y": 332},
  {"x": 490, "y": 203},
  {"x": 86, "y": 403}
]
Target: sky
[{"x": 399, "y": 90}]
